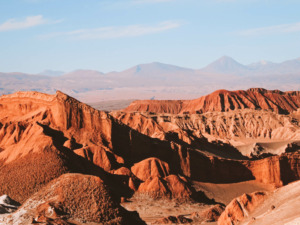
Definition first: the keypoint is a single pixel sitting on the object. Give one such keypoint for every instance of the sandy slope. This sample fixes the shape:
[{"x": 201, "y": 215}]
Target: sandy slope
[
  {"x": 224, "y": 193},
  {"x": 151, "y": 210},
  {"x": 287, "y": 208}
]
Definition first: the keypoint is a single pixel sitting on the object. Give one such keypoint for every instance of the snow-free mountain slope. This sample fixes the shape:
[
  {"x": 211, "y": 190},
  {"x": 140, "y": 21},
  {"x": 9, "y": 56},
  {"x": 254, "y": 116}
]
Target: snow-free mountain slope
[{"x": 226, "y": 65}]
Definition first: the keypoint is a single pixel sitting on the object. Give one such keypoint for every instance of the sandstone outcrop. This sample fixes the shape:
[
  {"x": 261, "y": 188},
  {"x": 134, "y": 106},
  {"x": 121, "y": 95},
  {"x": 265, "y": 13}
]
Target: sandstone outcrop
[
  {"x": 151, "y": 167},
  {"x": 233, "y": 126},
  {"x": 44, "y": 136},
  {"x": 181, "y": 131},
  {"x": 170, "y": 187},
  {"x": 156, "y": 106},
  {"x": 222, "y": 101}
]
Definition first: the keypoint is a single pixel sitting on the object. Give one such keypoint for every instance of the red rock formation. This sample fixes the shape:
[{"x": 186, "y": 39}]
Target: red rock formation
[
  {"x": 156, "y": 106},
  {"x": 180, "y": 130},
  {"x": 44, "y": 136},
  {"x": 171, "y": 187},
  {"x": 240, "y": 207},
  {"x": 129, "y": 178},
  {"x": 123, "y": 171},
  {"x": 223, "y": 100},
  {"x": 74, "y": 197},
  {"x": 40, "y": 134},
  {"x": 267, "y": 170},
  {"x": 201, "y": 130},
  {"x": 32, "y": 150},
  {"x": 178, "y": 188},
  {"x": 277, "y": 170},
  {"x": 239, "y": 124},
  {"x": 155, "y": 187},
  {"x": 151, "y": 167}
]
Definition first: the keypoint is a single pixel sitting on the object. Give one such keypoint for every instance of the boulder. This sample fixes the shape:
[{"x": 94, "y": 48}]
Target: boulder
[{"x": 151, "y": 167}]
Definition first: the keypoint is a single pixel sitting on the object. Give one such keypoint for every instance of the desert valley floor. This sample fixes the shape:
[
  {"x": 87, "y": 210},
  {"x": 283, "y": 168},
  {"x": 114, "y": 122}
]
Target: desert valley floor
[{"x": 227, "y": 158}]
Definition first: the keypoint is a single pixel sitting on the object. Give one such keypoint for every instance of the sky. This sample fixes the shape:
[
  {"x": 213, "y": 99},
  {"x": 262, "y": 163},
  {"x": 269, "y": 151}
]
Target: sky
[{"x": 114, "y": 35}]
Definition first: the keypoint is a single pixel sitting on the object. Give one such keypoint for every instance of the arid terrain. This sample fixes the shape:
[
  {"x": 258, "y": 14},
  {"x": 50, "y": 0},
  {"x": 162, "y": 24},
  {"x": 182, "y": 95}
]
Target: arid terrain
[{"x": 230, "y": 157}]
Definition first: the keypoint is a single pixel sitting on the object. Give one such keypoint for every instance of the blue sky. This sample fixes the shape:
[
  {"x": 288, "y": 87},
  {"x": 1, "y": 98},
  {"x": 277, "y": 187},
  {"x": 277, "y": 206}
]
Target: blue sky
[{"x": 109, "y": 35}]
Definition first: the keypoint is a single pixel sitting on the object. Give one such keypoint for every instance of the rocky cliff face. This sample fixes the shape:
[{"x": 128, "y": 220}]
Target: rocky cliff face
[
  {"x": 222, "y": 101},
  {"x": 37, "y": 127},
  {"x": 44, "y": 136},
  {"x": 240, "y": 126},
  {"x": 33, "y": 129}
]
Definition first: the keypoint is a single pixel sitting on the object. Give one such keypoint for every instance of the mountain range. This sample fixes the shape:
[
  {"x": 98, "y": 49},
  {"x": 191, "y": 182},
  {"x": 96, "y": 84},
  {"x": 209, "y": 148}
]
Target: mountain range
[
  {"x": 227, "y": 65},
  {"x": 157, "y": 80}
]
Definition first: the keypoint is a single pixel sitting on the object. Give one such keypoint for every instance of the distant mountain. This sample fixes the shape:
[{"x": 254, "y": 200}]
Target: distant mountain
[
  {"x": 164, "y": 81},
  {"x": 266, "y": 67},
  {"x": 260, "y": 65},
  {"x": 289, "y": 66},
  {"x": 226, "y": 65},
  {"x": 156, "y": 70},
  {"x": 51, "y": 73},
  {"x": 159, "y": 67}
]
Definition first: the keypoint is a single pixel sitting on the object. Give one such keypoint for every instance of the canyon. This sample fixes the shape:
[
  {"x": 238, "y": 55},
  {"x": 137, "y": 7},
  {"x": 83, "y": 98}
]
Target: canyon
[{"x": 223, "y": 158}]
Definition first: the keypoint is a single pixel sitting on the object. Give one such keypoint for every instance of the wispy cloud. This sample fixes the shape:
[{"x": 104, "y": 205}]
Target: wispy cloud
[
  {"x": 278, "y": 29},
  {"x": 30, "y": 21},
  {"x": 116, "y": 32}
]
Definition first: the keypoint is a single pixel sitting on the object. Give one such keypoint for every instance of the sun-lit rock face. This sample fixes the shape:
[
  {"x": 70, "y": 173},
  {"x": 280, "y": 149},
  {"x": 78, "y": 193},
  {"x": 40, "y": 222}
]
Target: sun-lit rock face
[
  {"x": 151, "y": 167},
  {"x": 27, "y": 113},
  {"x": 170, "y": 187},
  {"x": 222, "y": 101},
  {"x": 157, "y": 182},
  {"x": 44, "y": 136}
]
